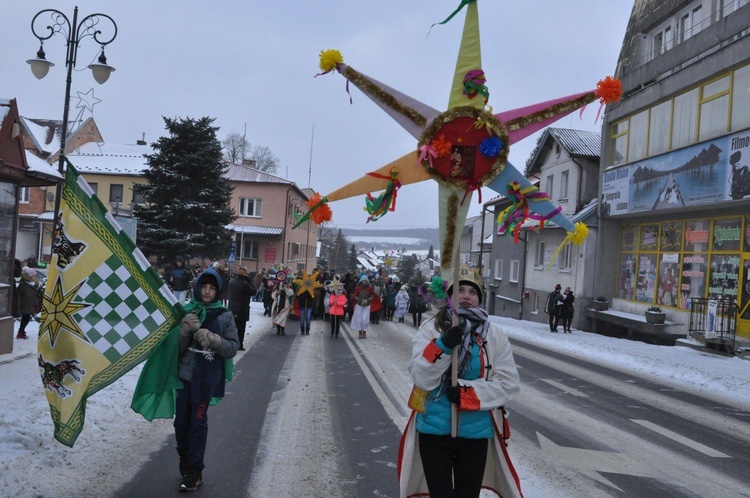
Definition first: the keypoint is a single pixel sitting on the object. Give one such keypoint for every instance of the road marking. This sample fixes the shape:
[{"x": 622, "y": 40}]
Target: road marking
[
  {"x": 563, "y": 387},
  {"x": 681, "y": 439},
  {"x": 389, "y": 402}
]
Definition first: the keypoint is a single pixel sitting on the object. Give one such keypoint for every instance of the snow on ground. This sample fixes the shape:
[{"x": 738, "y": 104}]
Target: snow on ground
[{"x": 115, "y": 441}]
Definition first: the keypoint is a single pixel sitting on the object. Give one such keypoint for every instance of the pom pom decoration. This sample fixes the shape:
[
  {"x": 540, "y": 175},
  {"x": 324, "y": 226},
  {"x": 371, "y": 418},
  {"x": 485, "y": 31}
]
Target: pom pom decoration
[
  {"x": 609, "y": 90},
  {"x": 437, "y": 287},
  {"x": 329, "y": 59},
  {"x": 319, "y": 211},
  {"x": 441, "y": 146},
  {"x": 576, "y": 237},
  {"x": 490, "y": 147}
]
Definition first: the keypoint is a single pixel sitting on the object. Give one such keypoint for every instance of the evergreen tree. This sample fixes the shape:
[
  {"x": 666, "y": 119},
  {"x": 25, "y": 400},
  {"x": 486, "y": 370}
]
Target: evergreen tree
[
  {"x": 188, "y": 196},
  {"x": 353, "y": 262},
  {"x": 407, "y": 268},
  {"x": 431, "y": 253}
]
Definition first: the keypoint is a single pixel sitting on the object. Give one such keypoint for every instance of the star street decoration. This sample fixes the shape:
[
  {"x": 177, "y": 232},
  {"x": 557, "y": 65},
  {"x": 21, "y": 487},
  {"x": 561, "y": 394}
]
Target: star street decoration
[{"x": 463, "y": 148}]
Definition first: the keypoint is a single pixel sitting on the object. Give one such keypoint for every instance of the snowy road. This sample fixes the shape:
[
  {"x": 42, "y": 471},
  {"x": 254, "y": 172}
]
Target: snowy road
[{"x": 311, "y": 416}]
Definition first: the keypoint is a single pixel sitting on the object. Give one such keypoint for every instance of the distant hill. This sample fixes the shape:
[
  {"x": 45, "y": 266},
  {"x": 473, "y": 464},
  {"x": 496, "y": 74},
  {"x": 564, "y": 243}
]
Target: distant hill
[{"x": 393, "y": 239}]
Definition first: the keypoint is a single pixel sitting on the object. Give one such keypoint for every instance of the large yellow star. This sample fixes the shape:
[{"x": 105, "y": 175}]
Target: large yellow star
[
  {"x": 308, "y": 283},
  {"x": 57, "y": 312}
]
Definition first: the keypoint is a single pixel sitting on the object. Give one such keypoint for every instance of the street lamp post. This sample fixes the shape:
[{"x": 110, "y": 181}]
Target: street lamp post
[{"x": 74, "y": 32}]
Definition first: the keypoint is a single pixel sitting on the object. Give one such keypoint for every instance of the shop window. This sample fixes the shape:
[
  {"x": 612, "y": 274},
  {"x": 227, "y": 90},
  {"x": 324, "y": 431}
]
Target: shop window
[
  {"x": 727, "y": 234},
  {"x": 627, "y": 280},
  {"x": 724, "y": 273},
  {"x": 629, "y": 238},
  {"x": 646, "y": 284},
  {"x": 671, "y": 236},
  {"x": 667, "y": 292},
  {"x": 649, "y": 240},
  {"x": 693, "y": 278},
  {"x": 696, "y": 235}
]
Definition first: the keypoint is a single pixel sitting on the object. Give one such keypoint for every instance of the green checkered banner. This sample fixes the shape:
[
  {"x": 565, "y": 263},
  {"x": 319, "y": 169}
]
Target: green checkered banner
[{"x": 105, "y": 308}]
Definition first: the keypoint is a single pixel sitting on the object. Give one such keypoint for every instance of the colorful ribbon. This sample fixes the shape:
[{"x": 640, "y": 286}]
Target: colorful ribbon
[
  {"x": 377, "y": 207},
  {"x": 427, "y": 152}
]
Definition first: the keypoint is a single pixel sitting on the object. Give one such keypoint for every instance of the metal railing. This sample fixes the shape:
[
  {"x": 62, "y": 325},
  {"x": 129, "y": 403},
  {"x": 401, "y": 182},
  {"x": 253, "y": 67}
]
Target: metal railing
[{"x": 715, "y": 320}]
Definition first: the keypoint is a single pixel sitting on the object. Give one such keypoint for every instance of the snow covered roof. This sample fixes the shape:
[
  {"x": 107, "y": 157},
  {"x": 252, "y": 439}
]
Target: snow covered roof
[
  {"x": 366, "y": 264},
  {"x": 242, "y": 173},
  {"x": 45, "y": 133},
  {"x": 255, "y": 230},
  {"x": 106, "y": 159},
  {"x": 38, "y": 167}
]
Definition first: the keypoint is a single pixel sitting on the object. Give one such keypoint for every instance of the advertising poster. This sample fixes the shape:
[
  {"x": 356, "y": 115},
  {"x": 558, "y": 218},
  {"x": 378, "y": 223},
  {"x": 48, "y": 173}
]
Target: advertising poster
[
  {"x": 708, "y": 172},
  {"x": 693, "y": 278},
  {"x": 626, "y": 287},
  {"x": 646, "y": 278},
  {"x": 669, "y": 271},
  {"x": 724, "y": 275}
]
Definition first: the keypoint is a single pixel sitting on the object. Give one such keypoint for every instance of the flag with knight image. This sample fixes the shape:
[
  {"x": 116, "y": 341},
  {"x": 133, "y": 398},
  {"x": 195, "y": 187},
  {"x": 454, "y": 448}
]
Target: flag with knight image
[{"x": 105, "y": 308}]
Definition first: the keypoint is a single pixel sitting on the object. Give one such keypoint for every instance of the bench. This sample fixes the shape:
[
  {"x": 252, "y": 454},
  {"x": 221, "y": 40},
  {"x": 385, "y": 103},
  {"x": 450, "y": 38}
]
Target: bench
[{"x": 617, "y": 323}]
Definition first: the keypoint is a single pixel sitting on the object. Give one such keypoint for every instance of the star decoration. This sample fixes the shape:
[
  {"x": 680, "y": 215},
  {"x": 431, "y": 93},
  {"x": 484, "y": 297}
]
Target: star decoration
[
  {"x": 465, "y": 147},
  {"x": 57, "y": 312},
  {"x": 87, "y": 100},
  {"x": 308, "y": 283},
  {"x": 336, "y": 284}
]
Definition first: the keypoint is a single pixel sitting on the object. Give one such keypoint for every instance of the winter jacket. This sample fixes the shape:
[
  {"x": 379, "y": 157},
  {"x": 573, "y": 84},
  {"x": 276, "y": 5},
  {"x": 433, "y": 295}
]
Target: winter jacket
[
  {"x": 338, "y": 304},
  {"x": 495, "y": 377},
  {"x": 27, "y": 296},
  {"x": 179, "y": 278},
  {"x": 240, "y": 292}
]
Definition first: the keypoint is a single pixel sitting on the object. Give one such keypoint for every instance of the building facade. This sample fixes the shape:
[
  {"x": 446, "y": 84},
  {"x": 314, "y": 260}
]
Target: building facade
[
  {"x": 675, "y": 176},
  {"x": 522, "y": 270}
]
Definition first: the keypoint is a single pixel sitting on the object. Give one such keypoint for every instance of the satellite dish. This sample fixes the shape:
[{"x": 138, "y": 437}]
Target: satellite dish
[{"x": 50, "y": 197}]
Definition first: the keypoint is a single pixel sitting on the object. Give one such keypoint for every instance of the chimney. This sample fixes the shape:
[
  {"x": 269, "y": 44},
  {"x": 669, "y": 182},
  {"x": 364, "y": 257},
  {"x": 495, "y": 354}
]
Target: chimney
[{"x": 142, "y": 141}]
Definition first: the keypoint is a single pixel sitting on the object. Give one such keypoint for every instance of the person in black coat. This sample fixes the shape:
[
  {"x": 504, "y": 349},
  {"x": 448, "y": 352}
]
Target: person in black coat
[
  {"x": 553, "y": 307},
  {"x": 240, "y": 291},
  {"x": 566, "y": 313}
]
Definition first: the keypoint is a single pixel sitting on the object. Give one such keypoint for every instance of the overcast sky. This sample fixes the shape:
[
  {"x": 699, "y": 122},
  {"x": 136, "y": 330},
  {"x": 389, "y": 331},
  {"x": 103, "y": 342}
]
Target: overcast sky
[{"x": 251, "y": 65}]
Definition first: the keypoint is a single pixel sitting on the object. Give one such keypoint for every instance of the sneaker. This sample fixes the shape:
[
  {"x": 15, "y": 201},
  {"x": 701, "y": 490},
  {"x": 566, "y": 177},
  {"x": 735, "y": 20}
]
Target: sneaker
[
  {"x": 192, "y": 480},
  {"x": 22, "y": 335}
]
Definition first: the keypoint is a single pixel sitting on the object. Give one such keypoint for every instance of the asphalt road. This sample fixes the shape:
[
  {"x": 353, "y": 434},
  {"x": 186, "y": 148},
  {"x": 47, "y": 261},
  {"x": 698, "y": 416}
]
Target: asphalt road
[{"x": 366, "y": 438}]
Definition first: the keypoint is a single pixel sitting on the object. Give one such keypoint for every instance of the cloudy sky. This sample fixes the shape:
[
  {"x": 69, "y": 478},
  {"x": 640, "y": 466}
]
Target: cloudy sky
[{"x": 251, "y": 65}]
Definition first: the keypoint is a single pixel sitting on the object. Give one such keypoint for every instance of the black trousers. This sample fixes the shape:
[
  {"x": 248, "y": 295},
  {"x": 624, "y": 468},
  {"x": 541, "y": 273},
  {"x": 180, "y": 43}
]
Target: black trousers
[{"x": 453, "y": 467}]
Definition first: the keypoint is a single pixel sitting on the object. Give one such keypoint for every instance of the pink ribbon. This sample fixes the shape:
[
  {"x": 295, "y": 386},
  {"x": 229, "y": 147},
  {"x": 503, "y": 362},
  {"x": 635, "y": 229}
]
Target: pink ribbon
[{"x": 427, "y": 152}]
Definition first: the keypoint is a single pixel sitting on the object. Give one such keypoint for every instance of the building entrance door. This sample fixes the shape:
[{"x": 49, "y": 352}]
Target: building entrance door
[{"x": 743, "y": 312}]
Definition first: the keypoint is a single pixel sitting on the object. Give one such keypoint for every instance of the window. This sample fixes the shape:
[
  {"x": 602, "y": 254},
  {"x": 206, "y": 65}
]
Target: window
[
  {"x": 684, "y": 119},
  {"x": 515, "y": 267},
  {"x": 619, "y": 143},
  {"x": 250, "y": 207},
  {"x": 498, "y": 269},
  {"x": 741, "y": 99},
  {"x": 564, "y": 257},
  {"x": 23, "y": 194},
  {"x": 564, "y": 185},
  {"x": 638, "y": 136},
  {"x": 658, "y": 130},
  {"x": 249, "y": 249},
  {"x": 714, "y": 118},
  {"x": 115, "y": 193},
  {"x": 550, "y": 184},
  {"x": 535, "y": 304},
  {"x": 94, "y": 188},
  {"x": 138, "y": 197},
  {"x": 539, "y": 258}
]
